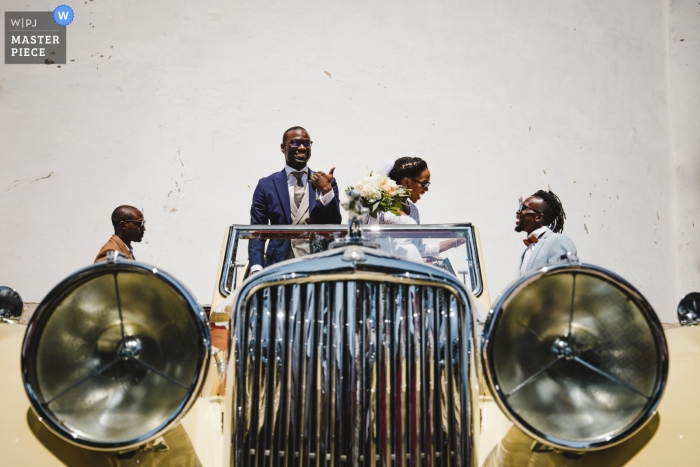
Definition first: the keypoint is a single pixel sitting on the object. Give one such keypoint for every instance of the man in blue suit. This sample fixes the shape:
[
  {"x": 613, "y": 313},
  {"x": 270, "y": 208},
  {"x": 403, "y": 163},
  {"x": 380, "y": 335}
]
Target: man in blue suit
[
  {"x": 294, "y": 196},
  {"x": 542, "y": 216}
]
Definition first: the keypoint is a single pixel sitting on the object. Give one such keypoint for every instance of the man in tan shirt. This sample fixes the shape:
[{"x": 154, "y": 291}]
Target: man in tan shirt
[{"x": 129, "y": 226}]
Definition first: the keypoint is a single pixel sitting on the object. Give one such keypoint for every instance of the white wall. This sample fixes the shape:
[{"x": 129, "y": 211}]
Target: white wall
[
  {"x": 684, "y": 65},
  {"x": 178, "y": 108}
]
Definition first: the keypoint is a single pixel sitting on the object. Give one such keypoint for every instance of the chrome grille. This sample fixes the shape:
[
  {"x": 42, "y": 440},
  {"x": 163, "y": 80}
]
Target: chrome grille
[{"x": 351, "y": 372}]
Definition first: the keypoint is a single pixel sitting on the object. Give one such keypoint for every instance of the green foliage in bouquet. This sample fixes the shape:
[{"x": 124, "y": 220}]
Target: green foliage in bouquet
[{"x": 379, "y": 193}]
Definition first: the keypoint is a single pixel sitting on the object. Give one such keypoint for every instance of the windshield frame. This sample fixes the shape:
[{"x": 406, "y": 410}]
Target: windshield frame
[{"x": 238, "y": 232}]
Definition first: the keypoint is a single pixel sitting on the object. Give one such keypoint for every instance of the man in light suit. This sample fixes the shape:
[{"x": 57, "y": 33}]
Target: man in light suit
[
  {"x": 129, "y": 226},
  {"x": 542, "y": 216},
  {"x": 294, "y": 196}
]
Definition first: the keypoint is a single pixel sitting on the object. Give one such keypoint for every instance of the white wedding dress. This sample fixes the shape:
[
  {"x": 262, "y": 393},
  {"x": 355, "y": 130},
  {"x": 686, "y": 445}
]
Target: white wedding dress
[{"x": 409, "y": 248}]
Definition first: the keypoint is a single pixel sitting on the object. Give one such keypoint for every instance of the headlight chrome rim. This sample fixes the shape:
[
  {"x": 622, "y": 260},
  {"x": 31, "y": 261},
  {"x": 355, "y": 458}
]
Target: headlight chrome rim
[
  {"x": 131, "y": 347},
  {"x": 489, "y": 365}
]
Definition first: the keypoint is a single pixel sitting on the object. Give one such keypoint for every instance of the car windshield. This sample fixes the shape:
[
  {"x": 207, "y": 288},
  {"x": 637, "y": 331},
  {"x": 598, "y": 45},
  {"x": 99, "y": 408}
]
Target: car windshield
[{"x": 449, "y": 247}]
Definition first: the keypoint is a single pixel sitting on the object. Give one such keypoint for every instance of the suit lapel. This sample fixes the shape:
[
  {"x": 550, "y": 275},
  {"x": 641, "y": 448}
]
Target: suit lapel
[
  {"x": 538, "y": 248},
  {"x": 280, "y": 182},
  {"x": 311, "y": 191}
]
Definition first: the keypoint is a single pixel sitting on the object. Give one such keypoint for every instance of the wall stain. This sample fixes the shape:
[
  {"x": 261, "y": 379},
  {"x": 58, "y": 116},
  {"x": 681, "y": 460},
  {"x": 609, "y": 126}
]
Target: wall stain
[
  {"x": 16, "y": 182},
  {"x": 180, "y": 180},
  {"x": 42, "y": 178},
  {"x": 545, "y": 172},
  {"x": 329, "y": 75},
  {"x": 585, "y": 228}
]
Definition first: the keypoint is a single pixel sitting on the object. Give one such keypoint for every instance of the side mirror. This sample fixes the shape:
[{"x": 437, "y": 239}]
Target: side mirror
[
  {"x": 689, "y": 309},
  {"x": 10, "y": 305}
]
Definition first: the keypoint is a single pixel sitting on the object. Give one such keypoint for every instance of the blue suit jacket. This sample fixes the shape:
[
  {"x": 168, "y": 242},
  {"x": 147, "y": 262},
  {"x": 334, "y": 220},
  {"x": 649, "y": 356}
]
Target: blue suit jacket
[
  {"x": 551, "y": 248},
  {"x": 271, "y": 205}
]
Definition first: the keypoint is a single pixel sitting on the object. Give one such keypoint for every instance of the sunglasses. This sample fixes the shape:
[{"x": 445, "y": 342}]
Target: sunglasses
[
  {"x": 141, "y": 224},
  {"x": 522, "y": 207},
  {"x": 425, "y": 185},
  {"x": 295, "y": 143}
]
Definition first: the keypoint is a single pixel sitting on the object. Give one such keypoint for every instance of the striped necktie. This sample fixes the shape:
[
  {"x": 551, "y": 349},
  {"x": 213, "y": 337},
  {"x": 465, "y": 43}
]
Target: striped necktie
[{"x": 298, "y": 188}]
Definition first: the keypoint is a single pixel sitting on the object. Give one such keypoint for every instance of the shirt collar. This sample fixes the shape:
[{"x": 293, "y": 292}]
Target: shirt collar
[
  {"x": 289, "y": 170},
  {"x": 539, "y": 232}
]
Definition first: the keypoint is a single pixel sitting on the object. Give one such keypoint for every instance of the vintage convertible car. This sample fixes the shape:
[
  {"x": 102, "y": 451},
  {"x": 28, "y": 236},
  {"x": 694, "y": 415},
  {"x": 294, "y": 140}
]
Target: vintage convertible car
[{"x": 371, "y": 350}]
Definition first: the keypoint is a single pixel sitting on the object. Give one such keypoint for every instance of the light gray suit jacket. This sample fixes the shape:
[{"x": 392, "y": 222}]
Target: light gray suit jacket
[{"x": 551, "y": 248}]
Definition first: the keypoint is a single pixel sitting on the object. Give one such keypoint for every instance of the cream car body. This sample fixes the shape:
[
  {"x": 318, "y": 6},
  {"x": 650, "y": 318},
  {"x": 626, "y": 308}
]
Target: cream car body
[{"x": 205, "y": 435}]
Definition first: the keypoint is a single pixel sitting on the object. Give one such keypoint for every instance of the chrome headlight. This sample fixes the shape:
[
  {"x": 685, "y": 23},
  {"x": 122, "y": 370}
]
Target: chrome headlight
[
  {"x": 689, "y": 309},
  {"x": 575, "y": 356},
  {"x": 10, "y": 305},
  {"x": 115, "y": 355}
]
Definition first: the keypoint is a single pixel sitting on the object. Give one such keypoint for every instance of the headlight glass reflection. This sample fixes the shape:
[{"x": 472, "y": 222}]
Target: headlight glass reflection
[
  {"x": 577, "y": 358},
  {"x": 114, "y": 359}
]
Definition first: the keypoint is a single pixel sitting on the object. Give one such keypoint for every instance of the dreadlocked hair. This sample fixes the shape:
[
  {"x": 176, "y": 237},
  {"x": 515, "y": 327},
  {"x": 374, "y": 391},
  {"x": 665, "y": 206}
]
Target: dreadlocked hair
[
  {"x": 552, "y": 210},
  {"x": 410, "y": 167}
]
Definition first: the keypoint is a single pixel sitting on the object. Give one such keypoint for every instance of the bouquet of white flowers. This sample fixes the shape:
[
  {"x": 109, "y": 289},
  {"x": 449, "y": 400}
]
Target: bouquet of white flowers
[{"x": 379, "y": 193}]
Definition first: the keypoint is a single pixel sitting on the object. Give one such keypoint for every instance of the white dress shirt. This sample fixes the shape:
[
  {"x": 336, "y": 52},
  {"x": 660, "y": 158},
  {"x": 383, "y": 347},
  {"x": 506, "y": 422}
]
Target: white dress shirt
[
  {"x": 528, "y": 251},
  {"x": 292, "y": 181}
]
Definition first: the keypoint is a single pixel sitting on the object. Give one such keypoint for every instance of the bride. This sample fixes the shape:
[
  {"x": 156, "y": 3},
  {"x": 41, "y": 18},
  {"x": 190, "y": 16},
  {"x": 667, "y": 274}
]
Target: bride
[{"x": 412, "y": 173}]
